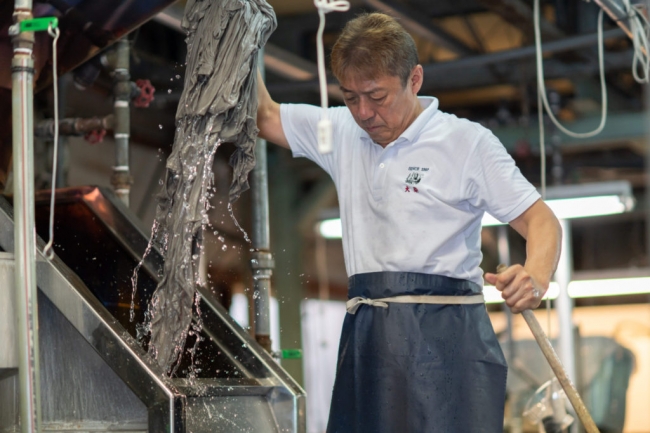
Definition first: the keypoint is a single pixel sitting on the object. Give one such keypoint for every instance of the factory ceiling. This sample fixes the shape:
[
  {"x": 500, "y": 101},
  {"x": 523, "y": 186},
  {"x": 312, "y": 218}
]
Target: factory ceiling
[{"x": 478, "y": 58}]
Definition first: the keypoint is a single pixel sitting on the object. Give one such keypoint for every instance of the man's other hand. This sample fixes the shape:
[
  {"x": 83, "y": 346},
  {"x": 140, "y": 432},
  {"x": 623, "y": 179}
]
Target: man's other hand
[{"x": 518, "y": 288}]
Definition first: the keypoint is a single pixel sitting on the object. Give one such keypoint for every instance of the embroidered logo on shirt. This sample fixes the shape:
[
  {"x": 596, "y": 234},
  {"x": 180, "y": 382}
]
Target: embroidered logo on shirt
[
  {"x": 415, "y": 175},
  {"x": 414, "y": 178}
]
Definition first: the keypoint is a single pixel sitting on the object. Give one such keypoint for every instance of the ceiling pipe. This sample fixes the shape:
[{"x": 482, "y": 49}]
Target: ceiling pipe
[
  {"x": 413, "y": 22},
  {"x": 277, "y": 60},
  {"x": 454, "y": 74},
  {"x": 566, "y": 44}
]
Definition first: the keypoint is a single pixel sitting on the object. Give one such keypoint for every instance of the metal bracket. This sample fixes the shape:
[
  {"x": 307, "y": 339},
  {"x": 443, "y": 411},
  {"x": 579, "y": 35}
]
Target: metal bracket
[
  {"x": 262, "y": 260},
  {"x": 34, "y": 25}
]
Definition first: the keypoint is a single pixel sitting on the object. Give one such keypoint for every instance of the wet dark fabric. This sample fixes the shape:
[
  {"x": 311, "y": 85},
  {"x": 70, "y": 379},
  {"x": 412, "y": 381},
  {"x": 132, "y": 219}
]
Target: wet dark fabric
[
  {"x": 417, "y": 368},
  {"x": 218, "y": 104}
]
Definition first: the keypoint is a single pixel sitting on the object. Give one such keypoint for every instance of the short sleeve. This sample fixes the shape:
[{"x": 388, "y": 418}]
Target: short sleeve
[
  {"x": 300, "y": 123},
  {"x": 493, "y": 183}
]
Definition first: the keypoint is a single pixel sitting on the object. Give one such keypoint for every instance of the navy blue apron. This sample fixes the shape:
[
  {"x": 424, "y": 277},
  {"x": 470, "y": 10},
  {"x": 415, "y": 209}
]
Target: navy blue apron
[{"x": 417, "y": 368}]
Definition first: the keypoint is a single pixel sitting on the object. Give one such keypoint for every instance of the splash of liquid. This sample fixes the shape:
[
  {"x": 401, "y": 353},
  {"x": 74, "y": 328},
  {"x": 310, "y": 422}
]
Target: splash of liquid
[
  {"x": 134, "y": 277},
  {"x": 232, "y": 215},
  {"x": 218, "y": 104}
]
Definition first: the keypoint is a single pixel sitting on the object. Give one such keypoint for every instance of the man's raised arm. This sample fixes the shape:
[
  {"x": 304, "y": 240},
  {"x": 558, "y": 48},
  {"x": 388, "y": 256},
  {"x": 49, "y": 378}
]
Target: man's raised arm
[
  {"x": 268, "y": 116},
  {"x": 523, "y": 287}
]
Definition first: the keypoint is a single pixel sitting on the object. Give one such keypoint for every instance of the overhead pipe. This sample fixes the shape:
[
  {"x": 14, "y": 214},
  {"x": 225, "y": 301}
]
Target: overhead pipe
[
  {"x": 75, "y": 126},
  {"x": 471, "y": 63},
  {"x": 22, "y": 90},
  {"x": 121, "y": 179},
  {"x": 262, "y": 263}
]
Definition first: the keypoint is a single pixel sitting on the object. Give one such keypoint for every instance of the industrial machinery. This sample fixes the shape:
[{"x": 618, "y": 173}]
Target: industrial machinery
[{"x": 95, "y": 376}]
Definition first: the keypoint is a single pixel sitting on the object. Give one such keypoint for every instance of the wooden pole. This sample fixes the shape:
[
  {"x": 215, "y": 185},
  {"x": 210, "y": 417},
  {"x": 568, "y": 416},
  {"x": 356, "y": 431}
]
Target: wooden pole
[{"x": 558, "y": 369}]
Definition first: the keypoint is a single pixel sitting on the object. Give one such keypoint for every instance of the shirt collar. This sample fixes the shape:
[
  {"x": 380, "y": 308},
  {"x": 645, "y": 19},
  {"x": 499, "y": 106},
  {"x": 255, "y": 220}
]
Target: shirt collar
[{"x": 430, "y": 105}]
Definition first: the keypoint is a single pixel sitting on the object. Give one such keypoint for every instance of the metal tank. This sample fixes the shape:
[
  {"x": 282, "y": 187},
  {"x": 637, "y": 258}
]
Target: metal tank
[{"x": 94, "y": 375}]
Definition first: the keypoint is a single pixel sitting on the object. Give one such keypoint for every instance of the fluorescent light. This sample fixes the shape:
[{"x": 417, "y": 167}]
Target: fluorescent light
[
  {"x": 584, "y": 200},
  {"x": 331, "y": 228},
  {"x": 493, "y": 296},
  {"x": 566, "y": 201},
  {"x": 488, "y": 221},
  {"x": 586, "y": 289},
  {"x": 610, "y": 287},
  {"x": 580, "y": 207},
  {"x": 567, "y": 208}
]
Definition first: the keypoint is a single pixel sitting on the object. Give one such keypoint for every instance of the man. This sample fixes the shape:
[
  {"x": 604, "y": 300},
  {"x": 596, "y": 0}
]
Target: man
[{"x": 413, "y": 184}]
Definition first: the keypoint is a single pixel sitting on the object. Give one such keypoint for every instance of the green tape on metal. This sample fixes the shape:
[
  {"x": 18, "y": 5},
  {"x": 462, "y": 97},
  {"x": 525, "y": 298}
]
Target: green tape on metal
[
  {"x": 39, "y": 24},
  {"x": 291, "y": 354}
]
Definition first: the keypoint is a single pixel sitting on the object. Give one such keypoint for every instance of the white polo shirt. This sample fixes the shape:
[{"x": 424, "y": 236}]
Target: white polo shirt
[{"x": 416, "y": 205}]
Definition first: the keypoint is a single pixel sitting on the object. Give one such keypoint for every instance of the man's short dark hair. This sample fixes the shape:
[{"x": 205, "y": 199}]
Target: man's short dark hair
[{"x": 374, "y": 45}]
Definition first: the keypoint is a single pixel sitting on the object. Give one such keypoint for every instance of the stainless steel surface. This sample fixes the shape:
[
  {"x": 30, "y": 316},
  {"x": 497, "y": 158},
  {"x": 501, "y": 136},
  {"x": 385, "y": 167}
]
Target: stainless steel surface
[
  {"x": 261, "y": 237},
  {"x": 564, "y": 304},
  {"x": 262, "y": 260},
  {"x": 257, "y": 377},
  {"x": 22, "y": 75},
  {"x": 262, "y": 265},
  {"x": 231, "y": 415},
  {"x": 121, "y": 179},
  {"x": 8, "y": 343},
  {"x": 100, "y": 401},
  {"x": 80, "y": 392},
  {"x": 10, "y": 407},
  {"x": 260, "y": 189}
]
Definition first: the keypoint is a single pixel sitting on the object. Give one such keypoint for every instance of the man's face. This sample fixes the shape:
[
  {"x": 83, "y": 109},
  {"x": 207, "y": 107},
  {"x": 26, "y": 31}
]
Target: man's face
[{"x": 382, "y": 106}]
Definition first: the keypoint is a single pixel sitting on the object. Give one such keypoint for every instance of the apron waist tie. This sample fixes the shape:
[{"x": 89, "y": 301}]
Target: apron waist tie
[{"x": 353, "y": 304}]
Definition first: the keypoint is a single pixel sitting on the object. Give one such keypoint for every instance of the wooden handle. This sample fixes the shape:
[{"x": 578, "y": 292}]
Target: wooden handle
[
  {"x": 558, "y": 369},
  {"x": 560, "y": 373}
]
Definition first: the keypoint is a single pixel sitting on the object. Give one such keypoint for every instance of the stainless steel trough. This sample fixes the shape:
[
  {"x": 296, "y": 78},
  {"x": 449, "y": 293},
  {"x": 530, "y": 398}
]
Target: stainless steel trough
[{"x": 95, "y": 376}]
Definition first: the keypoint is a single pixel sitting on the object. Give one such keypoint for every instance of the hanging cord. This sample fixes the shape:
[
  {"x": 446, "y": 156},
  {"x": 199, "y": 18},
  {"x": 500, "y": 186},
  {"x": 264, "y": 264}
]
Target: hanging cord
[
  {"x": 542, "y": 101},
  {"x": 542, "y": 86},
  {"x": 48, "y": 251},
  {"x": 325, "y": 124},
  {"x": 640, "y": 33}
]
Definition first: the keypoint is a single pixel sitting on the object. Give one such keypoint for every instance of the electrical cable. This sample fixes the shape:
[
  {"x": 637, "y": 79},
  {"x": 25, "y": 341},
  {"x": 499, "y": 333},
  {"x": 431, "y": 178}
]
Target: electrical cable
[
  {"x": 325, "y": 125},
  {"x": 640, "y": 33},
  {"x": 48, "y": 251},
  {"x": 542, "y": 87}
]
